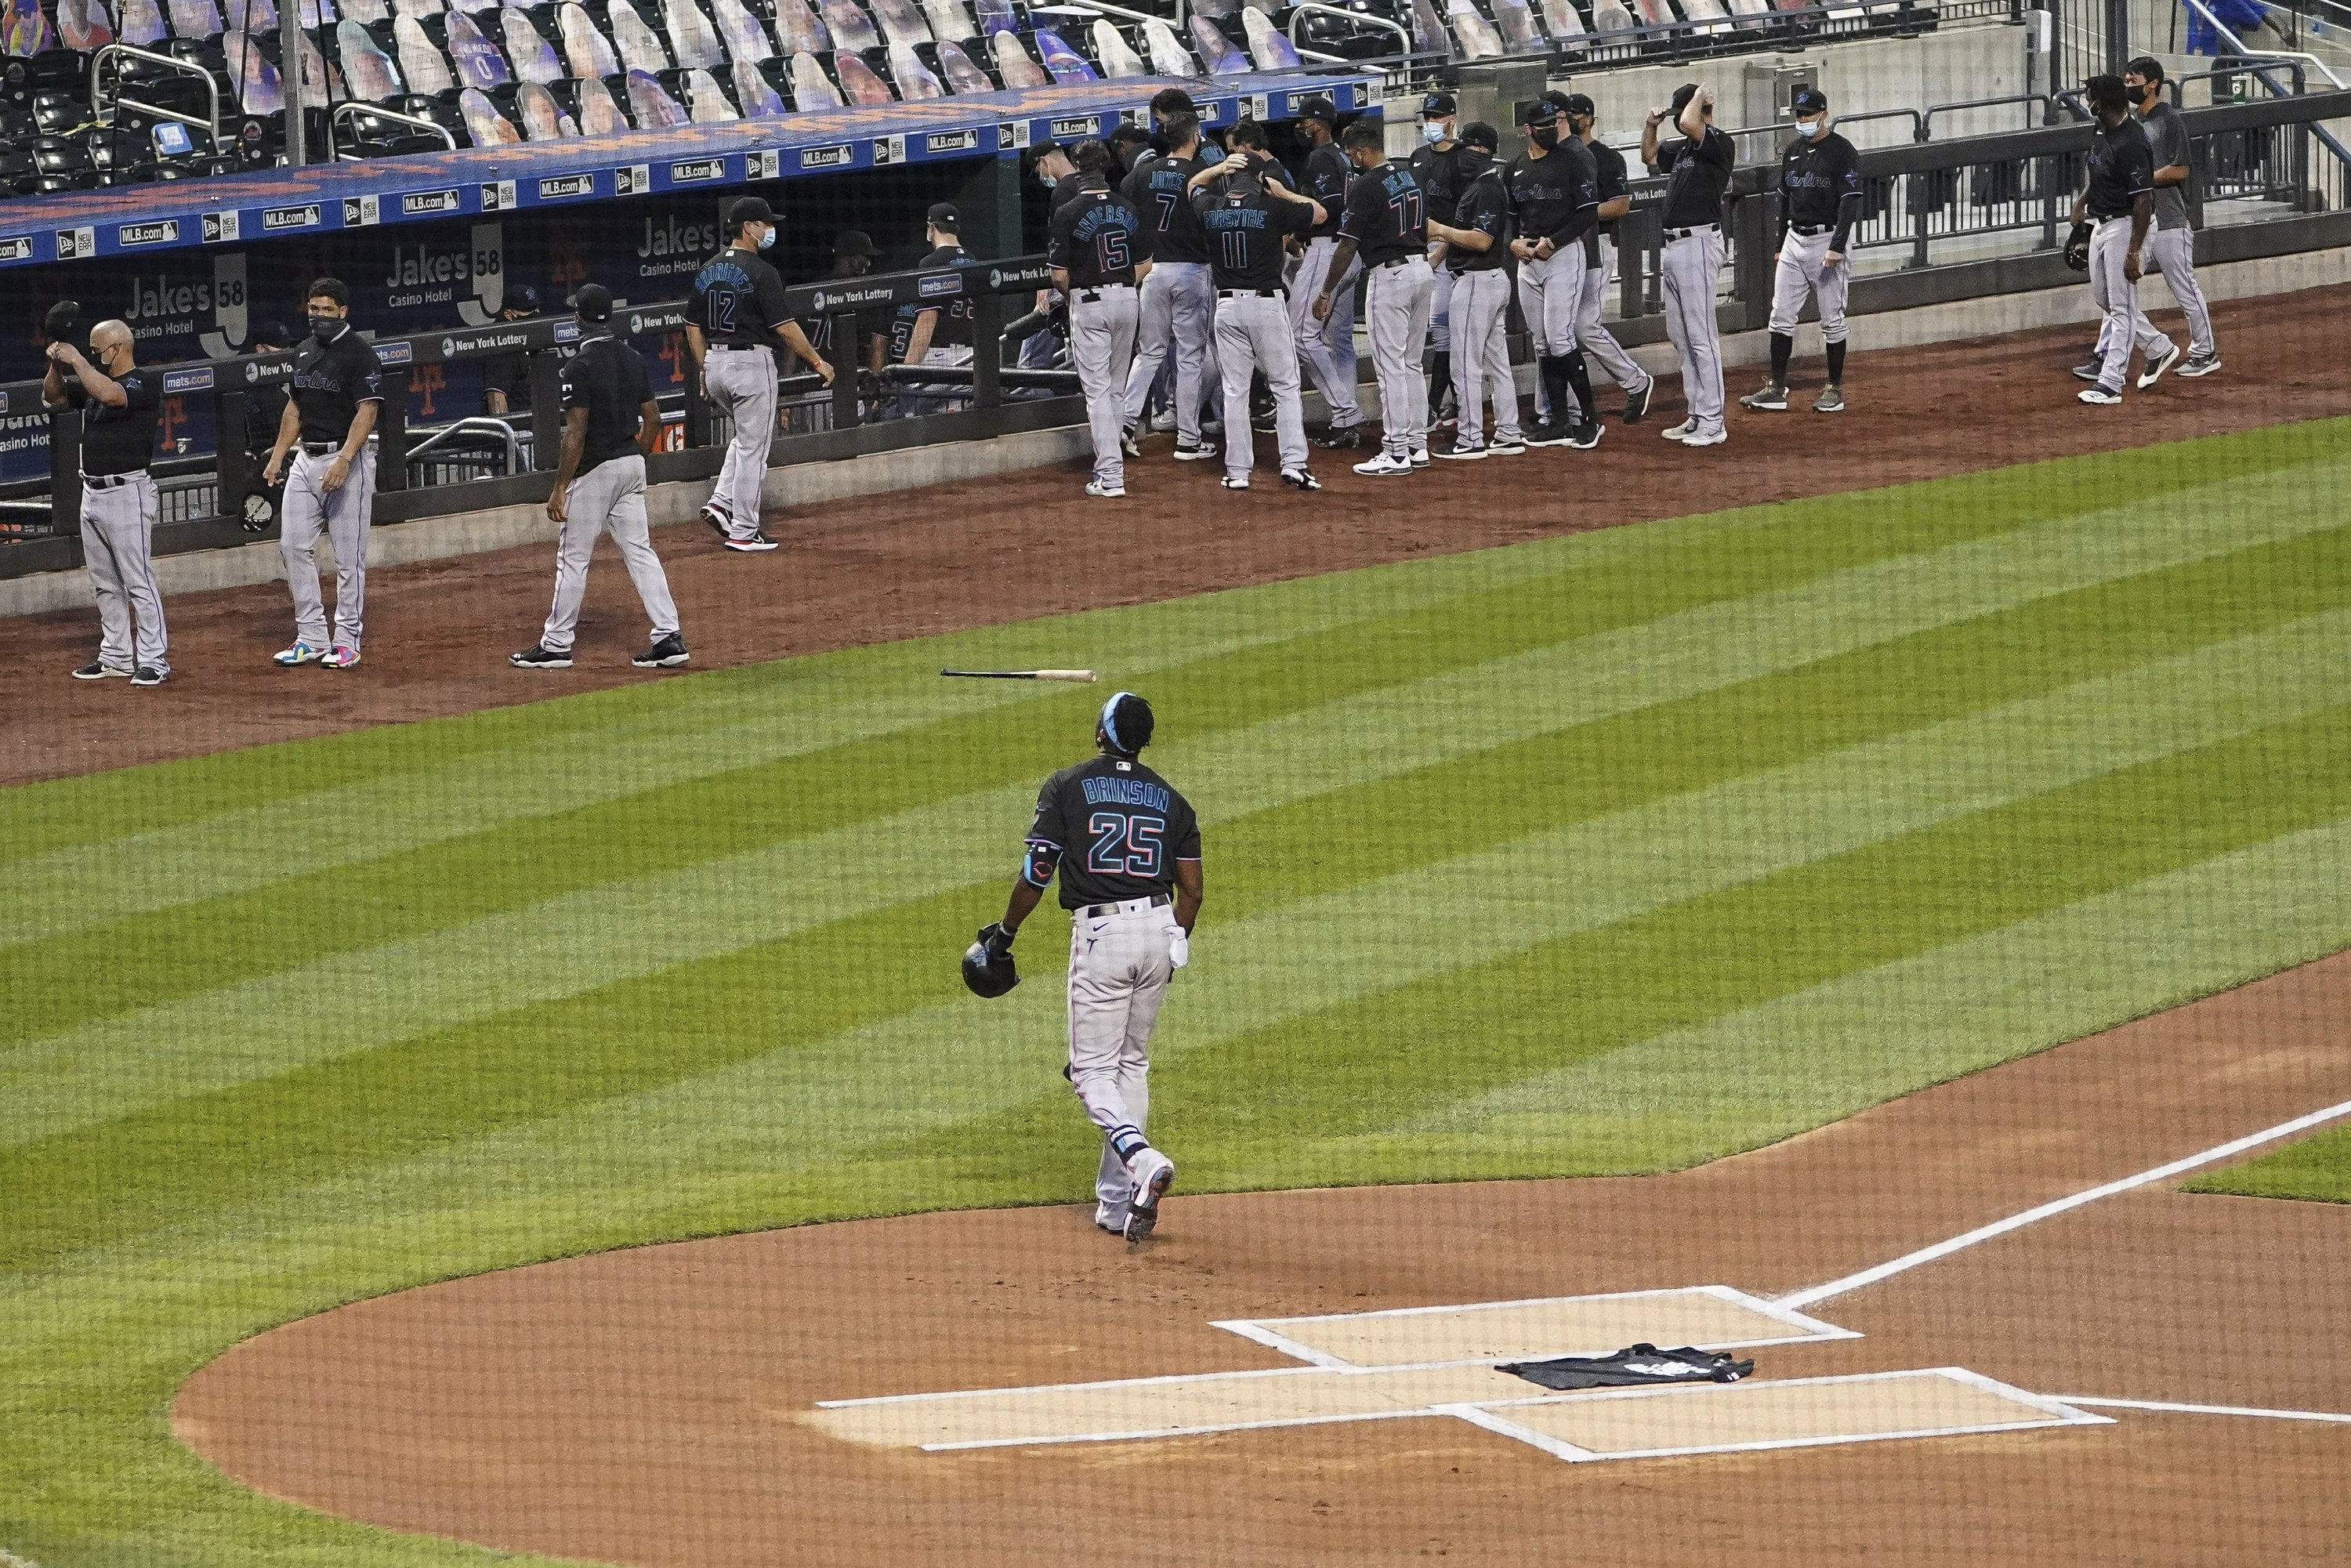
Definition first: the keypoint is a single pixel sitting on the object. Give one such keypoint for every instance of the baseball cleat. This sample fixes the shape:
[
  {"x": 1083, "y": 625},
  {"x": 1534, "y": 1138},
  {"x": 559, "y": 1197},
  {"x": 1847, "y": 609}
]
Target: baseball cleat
[
  {"x": 1465, "y": 451},
  {"x": 1340, "y": 438},
  {"x": 1637, "y": 404},
  {"x": 1584, "y": 437},
  {"x": 1128, "y": 444},
  {"x": 1419, "y": 457},
  {"x": 2091, "y": 369},
  {"x": 757, "y": 542},
  {"x": 666, "y": 654},
  {"x": 148, "y": 675},
  {"x": 1110, "y": 1217},
  {"x": 717, "y": 516},
  {"x": 1770, "y": 395},
  {"x": 300, "y": 653},
  {"x": 1154, "y": 1173},
  {"x": 1385, "y": 465},
  {"x": 2200, "y": 365},
  {"x": 99, "y": 671},
  {"x": 341, "y": 656},
  {"x": 1300, "y": 479},
  {"x": 1196, "y": 452},
  {"x": 1830, "y": 401},
  {"x": 1703, "y": 437},
  {"x": 1681, "y": 432},
  {"x": 2160, "y": 363},
  {"x": 1509, "y": 445},
  {"x": 538, "y": 658},
  {"x": 1234, "y": 481},
  {"x": 2101, "y": 393},
  {"x": 1164, "y": 420},
  {"x": 1263, "y": 419},
  {"x": 1102, "y": 492},
  {"x": 1542, "y": 433}
]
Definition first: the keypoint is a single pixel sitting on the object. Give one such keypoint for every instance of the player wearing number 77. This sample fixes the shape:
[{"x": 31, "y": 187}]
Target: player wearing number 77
[{"x": 1127, "y": 847}]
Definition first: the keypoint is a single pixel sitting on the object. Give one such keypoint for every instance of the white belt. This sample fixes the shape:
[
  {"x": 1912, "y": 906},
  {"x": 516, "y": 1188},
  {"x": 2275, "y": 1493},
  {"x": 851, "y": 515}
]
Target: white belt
[{"x": 1127, "y": 906}]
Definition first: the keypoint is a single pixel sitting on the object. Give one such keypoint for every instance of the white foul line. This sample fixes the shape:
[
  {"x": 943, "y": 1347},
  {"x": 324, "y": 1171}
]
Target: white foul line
[
  {"x": 2207, "y": 1410},
  {"x": 1805, "y": 1298}
]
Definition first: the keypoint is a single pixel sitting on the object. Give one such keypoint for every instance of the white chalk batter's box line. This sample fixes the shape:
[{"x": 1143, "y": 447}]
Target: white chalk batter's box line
[
  {"x": 2056, "y": 1412},
  {"x": 1267, "y": 1332}
]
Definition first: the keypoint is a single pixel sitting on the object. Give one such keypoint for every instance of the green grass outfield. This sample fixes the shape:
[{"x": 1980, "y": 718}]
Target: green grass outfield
[
  {"x": 2318, "y": 1167},
  {"x": 1608, "y": 853}
]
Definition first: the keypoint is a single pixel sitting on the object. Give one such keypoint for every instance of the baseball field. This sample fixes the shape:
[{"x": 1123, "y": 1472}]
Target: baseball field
[{"x": 1599, "y": 856}]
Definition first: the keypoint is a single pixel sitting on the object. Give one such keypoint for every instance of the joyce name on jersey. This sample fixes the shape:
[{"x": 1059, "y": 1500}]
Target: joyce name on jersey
[{"x": 1113, "y": 828}]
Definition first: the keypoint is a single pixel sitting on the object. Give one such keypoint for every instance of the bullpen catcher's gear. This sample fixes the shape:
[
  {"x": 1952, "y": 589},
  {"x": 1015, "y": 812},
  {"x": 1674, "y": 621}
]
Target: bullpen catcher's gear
[
  {"x": 2077, "y": 248},
  {"x": 987, "y": 968}
]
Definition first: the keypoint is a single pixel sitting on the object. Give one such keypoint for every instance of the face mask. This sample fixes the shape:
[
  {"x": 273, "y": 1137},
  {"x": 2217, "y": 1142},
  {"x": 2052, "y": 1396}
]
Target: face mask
[
  {"x": 1544, "y": 136},
  {"x": 1475, "y": 161},
  {"x": 1048, "y": 181},
  {"x": 325, "y": 329},
  {"x": 1432, "y": 131},
  {"x": 766, "y": 239},
  {"x": 1812, "y": 127}
]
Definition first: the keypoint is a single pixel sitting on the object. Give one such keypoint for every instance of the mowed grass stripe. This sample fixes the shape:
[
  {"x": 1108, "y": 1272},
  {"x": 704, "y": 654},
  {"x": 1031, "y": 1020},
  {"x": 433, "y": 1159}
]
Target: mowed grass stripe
[
  {"x": 497, "y": 965},
  {"x": 1365, "y": 955}
]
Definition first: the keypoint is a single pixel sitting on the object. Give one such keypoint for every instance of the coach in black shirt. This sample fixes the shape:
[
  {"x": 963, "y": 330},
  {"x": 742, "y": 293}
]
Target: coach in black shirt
[
  {"x": 330, "y": 409},
  {"x": 119, "y": 403},
  {"x": 1698, "y": 164}
]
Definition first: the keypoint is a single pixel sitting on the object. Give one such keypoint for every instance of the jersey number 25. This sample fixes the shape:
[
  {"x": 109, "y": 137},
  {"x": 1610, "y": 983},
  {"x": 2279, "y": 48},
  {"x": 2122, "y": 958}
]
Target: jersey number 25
[{"x": 1125, "y": 845}]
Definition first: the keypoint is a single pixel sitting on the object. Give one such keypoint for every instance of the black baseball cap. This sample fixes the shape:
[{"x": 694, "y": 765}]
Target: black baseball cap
[
  {"x": 854, "y": 242},
  {"x": 1581, "y": 103},
  {"x": 1682, "y": 96},
  {"x": 1478, "y": 133},
  {"x": 1538, "y": 110},
  {"x": 1809, "y": 101},
  {"x": 944, "y": 215},
  {"x": 524, "y": 298},
  {"x": 1437, "y": 106},
  {"x": 749, "y": 210},
  {"x": 1321, "y": 108},
  {"x": 592, "y": 303}
]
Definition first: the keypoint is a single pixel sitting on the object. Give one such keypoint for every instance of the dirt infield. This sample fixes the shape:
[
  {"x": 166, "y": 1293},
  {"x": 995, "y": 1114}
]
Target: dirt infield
[
  {"x": 657, "y": 1405},
  {"x": 1028, "y": 544}
]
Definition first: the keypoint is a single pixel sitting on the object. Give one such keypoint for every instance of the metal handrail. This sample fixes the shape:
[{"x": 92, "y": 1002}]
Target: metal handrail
[
  {"x": 1926, "y": 121},
  {"x": 131, "y": 51},
  {"x": 1299, "y": 12},
  {"x": 1918, "y": 121},
  {"x": 352, "y": 110},
  {"x": 473, "y": 425}
]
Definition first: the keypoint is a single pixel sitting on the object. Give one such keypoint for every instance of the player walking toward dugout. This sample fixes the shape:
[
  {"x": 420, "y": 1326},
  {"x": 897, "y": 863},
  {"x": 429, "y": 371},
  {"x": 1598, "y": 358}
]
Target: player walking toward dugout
[
  {"x": 1477, "y": 242},
  {"x": 1554, "y": 193},
  {"x": 732, "y": 325},
  {"x": 119, "y": 404},
  {"x": 2172, "y": 245},
  {"x": 1698, "y": 164},
  {"x": 1247, "y": 217},
  {"x": 1820, "y": 198},
  {"x": 2117, "y": 205},
  {"x": 610, "y": 424},
  {"x": 1384, "y": 223},
  {"x": 1098, "y": 256},
  {"x": 1126, "y": 846},
  {"x": 330, "y": 409}
]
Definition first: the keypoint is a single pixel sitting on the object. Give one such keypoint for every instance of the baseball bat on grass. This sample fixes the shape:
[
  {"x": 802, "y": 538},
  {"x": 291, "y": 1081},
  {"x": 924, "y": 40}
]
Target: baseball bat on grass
[{"x": 1086, "y": 676}]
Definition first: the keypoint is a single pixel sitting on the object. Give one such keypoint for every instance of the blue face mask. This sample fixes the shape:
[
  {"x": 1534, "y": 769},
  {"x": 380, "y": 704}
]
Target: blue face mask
[
  {"x": 1432, "y": 131},
  {"x": 767, "y": 238}
]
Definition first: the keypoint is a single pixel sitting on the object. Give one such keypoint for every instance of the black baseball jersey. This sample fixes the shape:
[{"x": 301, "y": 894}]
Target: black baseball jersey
[
  {"x": 118, "y": 440},
  {"x": 1820, "y": 185},
  {"x": 1246, "y": 228},
  {"x": 1327, "y": 176},
  {"x": 1443, "y": 176},
  {"x": 608, "y": 379},
  {"x": 331, "y": 382},
  {"x": 1610, "y": 177},
  {"x": 1383, "y": 216},
  {"x": 1695, "y": 174},
  {"x": 818, "y": 330},
  {"x": 738, "y": 300},
  {"x": 1096, "y": 236},
  {"x": 1114, "y": 829},
  {"x": 1485, "y": 206},
  {"x": 1554, "y": 197},
  {"x": 1156, "y": 191},
  {"x": 2121, "y": 169},
  {"x": 510, "y": 374},
  {"x": 953, "y": 325}
]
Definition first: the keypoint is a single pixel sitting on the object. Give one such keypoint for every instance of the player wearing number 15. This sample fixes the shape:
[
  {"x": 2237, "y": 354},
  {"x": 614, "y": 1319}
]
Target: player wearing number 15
[
  {"x": 1098, "y": 257},
  {"x": 732, "y": 325},
  {"x": 1126, "y": 846}
]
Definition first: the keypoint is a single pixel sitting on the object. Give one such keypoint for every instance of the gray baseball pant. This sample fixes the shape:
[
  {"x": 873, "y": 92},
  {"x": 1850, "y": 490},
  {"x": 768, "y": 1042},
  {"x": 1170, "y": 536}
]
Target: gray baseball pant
[
  {"x": 1177, "y": 303},
  {"x": 344, "y": 515},
  {"x": 1691, "y": 265},
  {"x": 743, "y": 383},
  {"x": 2125, "y": 326},
  {"x": 1326, "y": 348},
  {"x": 1598, "y": 341},
  {"x": 1101, "y": 340},
  {"x": 611, "y": 495},
  {"x": 2172, "y": 252},
  {"x": 1440, "y": 310},
  {"x": 118, "y": 534},
  {"x": 1481, "y": 355},
  {"x": 1550, "y": 293},
  {"x": 1118, "y": 977},
  {"x": 1397, "y": 300},
  {"x": 1253, "y": 334},
  {"x": 1799, "y": 274}
]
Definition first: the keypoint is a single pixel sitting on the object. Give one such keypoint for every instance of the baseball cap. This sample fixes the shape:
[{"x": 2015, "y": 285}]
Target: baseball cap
[
  {"x": 854, "y": 242},
  {"x": 1809, "y": 101},
  {"x": 1321, "y": 108},
  {"x": 1478, "y": 133},
  {"x": 1549, "y": 106},
  {"x": 524, "y": 298},
  {"x": 944, "y": 215},
  {"x": 1581, "y": 103},
  {"x": 751, "y": 210},
  {"x": 593, "y": 302},
  {"x": 1437, "y": 106},
  {"x": 1682, "y": 95}
]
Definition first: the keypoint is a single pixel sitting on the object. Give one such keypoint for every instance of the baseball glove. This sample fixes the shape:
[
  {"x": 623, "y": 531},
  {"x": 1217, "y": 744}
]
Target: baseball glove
[{"x": 2077, "y": 248}]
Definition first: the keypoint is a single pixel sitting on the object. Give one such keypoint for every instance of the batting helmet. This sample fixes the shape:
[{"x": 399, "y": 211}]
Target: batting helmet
[{"x": 988, "y": 971}]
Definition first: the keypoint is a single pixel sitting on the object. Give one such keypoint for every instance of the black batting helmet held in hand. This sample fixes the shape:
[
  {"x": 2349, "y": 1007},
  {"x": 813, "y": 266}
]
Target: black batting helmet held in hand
[{"x": 987, "y": 971}]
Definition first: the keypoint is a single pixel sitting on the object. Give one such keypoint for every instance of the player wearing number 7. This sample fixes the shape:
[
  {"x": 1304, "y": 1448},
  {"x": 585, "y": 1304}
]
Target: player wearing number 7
[
  {"x": 1127, "y": 849},
  {"x": 1098, "y": 256}
]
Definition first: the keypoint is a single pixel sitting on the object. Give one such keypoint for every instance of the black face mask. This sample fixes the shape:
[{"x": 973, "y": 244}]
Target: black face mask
[
  {"x": 1475, "y": 161},
  {"x": 325, "y": 329},
  {"x": 1544, "y": 136}
]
